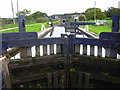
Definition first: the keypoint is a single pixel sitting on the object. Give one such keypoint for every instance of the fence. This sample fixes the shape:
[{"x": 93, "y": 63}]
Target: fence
[
  {"x": 61, "y": 64},
  {"x": 69, "y": 47},
  {"x": 0, "y": 74},
  {"x": 109, "y": 43}
]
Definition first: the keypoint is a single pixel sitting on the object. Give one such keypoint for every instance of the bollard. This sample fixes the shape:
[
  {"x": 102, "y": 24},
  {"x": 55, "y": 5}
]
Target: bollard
[
  {"x": 75, "y": 20},
  {"x": 51, "y": 23},
  {"x": 21, "y": 23}
]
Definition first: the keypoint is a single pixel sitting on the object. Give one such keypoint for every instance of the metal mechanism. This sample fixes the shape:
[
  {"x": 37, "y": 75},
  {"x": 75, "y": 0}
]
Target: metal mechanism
[{"x": 82, "y": 23}]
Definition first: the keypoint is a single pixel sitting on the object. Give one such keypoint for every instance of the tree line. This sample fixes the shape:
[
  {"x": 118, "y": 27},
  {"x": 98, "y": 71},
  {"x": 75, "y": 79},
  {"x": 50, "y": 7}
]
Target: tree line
[
  {"x": 101, "y": 15},
  {"x": 35, "y": 17},
  {"x": 89, "y": 13}
]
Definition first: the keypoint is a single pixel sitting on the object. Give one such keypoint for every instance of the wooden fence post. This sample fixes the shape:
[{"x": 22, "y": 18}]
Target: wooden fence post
[
  {"x": 77, "y": 49},
  {"x": 62, "y": 79},
  {"x": 86, "y": 81},
  {"x": 115, "y": 23},
  {"x": 29, "y": 52},
  {"x": 6, "y": 75},
  {"x": 49, "y": 80},
  {"x": 91, "y": 50},
  {"x": 65, "y": 45},
  {"x": 1, "y": 76},
  {"x": 99, "y": 51},
  {"x": 55, "y": 79},
  {"x": 52, "y": 49},
  {"x": 37, "y": 50},
  {"x": 25, "y": 52},
  {"x": 80, "y": 80},
  {"x": 44, "y": 50},
  {"x": 111, "y": 52},
  {"x": 70, "y": 44},
  {"x": 21, "y": 23},
  {"x": 84, "y": 49},
  {"x": 58, "y": 48}
]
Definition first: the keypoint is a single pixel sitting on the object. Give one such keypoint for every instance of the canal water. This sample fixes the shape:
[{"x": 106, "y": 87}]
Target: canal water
[
  {"x": 57, "y": 33},
  {"x": 60, "y": 30}
]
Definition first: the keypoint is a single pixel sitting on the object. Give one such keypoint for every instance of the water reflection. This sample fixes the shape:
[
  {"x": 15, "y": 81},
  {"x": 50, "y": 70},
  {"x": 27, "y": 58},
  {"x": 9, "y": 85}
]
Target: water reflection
[{"x": 56, "y": 32}]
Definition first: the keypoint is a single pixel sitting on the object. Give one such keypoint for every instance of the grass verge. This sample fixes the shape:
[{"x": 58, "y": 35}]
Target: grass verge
[
  {"x": 99, "y": 29},
  {"x": 32, "y": 28},
  {"x": 36, "y": 27},
  {"x": 13, "y": 25}
]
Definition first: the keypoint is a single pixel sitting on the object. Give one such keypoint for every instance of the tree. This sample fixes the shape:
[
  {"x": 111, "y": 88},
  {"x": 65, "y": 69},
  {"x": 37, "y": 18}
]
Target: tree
[
  {"x": 41, "y": 19},
  {"x": 112, "y": 11},
  {"x": 37, "y": 17},
  {"x": 24, "y": 12},
  {"x": 90, "y": 13},
  {"x": 38, "y": 14},
  {"x": 82, "y": 18}
]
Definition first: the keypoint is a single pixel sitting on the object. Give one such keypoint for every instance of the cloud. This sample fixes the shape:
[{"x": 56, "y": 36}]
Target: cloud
[{"x": 54, "y": 6}]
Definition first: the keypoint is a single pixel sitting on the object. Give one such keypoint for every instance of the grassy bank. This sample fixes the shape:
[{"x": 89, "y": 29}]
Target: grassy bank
[
  {"x": 32, "y": 28},
  {"x": 36, "y": 28},
  {"x": 99, "y": 29},
  {"x": 13, "y": 25}
]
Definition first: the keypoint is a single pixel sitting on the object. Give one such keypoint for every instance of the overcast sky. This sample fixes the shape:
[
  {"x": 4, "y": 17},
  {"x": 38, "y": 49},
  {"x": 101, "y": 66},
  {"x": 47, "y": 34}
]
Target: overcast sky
[{"x": 54, "y": 6}]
